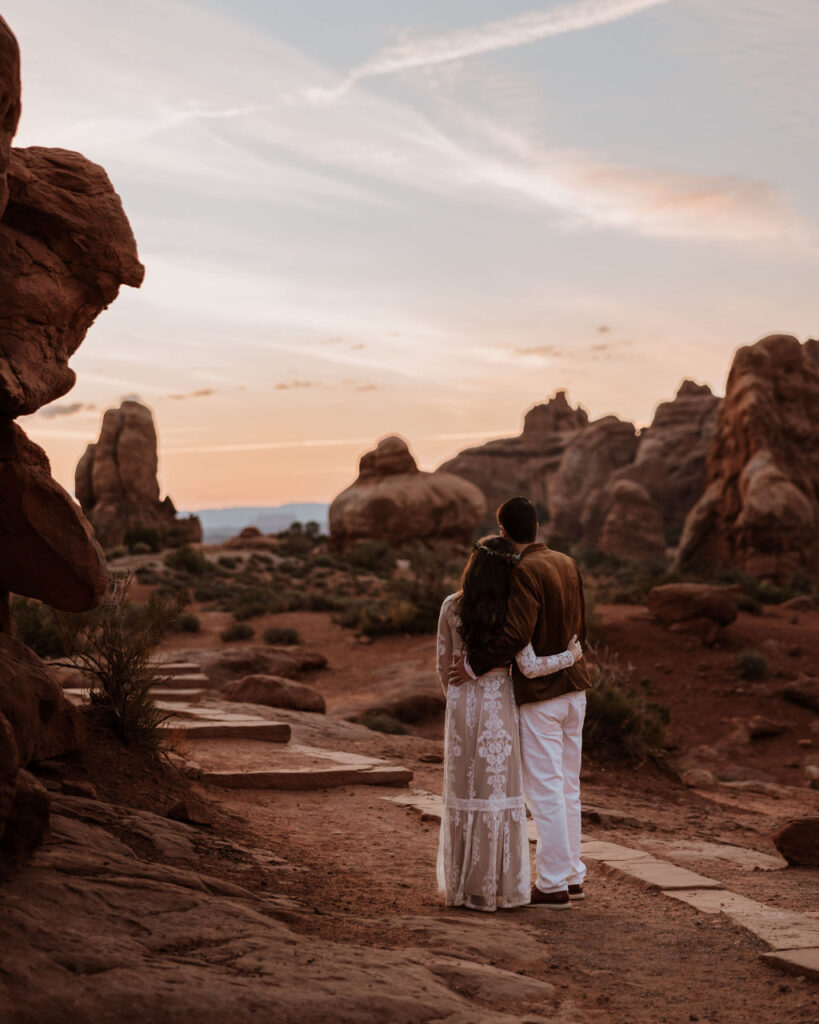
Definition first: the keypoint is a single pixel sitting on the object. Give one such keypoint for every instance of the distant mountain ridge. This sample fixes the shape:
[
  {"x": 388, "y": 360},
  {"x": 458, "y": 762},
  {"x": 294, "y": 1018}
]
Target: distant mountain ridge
[{"x": 220, "y": 523}]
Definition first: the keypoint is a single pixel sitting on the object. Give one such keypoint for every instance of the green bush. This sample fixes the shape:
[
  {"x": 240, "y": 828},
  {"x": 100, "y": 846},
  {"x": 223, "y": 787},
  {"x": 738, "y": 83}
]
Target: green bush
[
  {"x": 751, "y": 666},
  {"x": 746, "y": 603},
  {"x": 38, "y": 627},
  {"x": 380, "y": 721},
  {"x": 620, "y": 723},
  {"x": 187, "y": 559},
  {"x": 140, "y": 549},
  {"x": 372, "y": 555},
  {"x": 187, "y": 623},
  {"x": 149, "y": 536},
  {"x": 247, "y": 604},
  {"x": 281, "y": 635},
  {"x": 147, "y": 574},
  {"x": 236, "y": 631}
]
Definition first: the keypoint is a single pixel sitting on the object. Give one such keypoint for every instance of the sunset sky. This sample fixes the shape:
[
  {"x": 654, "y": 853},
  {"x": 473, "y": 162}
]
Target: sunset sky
[{"x": 405, "y": 216}]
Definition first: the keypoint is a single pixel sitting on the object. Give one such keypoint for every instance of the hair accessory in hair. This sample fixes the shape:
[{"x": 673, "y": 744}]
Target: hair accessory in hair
[{"x": 508, "y": 556}]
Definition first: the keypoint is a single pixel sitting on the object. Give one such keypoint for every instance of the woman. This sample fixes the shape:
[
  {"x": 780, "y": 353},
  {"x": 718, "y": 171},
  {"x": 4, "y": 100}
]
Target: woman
[{"x": 483, "y": 853}]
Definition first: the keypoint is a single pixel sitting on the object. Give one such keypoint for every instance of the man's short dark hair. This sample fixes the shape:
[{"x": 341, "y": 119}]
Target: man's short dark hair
[{"x": 519, "y": 519}]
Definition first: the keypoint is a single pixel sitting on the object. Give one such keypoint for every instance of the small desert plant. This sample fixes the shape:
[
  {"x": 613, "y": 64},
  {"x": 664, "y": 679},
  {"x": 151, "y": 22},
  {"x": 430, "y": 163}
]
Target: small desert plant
[
  {"x": 751, "y": 666},
  {"x": 372, "y": 555},
  {"x": 113, "y": 646},
  {"x": 228, "y": 561},
  {"x": 620, "y": 723},
  {"x": 37, "y": 625},
  {"x": 281, "y": 635},
  {"x": 143, "y": 535},
  {"x": 187, "y": 622},
  {"x": 380, "y": 721},
  {"x": 746, "y": 603},
  {"x": 187, "y": 559},
  {"x": 141, "y": 548},
  {"x": 236, "y": 631},
  {"x": 120, "y": 551}
]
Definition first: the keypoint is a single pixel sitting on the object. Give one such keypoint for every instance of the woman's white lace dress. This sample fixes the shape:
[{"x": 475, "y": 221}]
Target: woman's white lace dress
[{"x": 483, "y": 852}]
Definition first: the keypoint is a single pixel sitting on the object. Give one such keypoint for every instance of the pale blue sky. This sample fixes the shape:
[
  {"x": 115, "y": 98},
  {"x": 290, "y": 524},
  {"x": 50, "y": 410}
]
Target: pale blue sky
[{"x": 386, "y": 216}]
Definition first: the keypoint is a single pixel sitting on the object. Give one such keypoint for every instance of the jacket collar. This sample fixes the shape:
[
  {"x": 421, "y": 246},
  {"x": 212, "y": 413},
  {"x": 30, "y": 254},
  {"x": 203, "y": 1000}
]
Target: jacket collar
[{"x": 537, "y": 545}]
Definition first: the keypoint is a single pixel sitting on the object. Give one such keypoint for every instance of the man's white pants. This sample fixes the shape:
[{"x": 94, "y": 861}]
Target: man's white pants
[{"x": 551, "y": 733}]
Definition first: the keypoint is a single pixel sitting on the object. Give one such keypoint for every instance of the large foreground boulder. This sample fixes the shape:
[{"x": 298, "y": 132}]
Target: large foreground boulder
[
  {"x": 760, "y": 511},
  {"x": 393, "y": 500},
  {"x": 699, "y": 607},
  {"x": 31, "y": 705},
  {"x": 276, "y": 692},
  {"x": 116, "y": 481},
  {"x": 65, "y": 249},
  {"x": 798, "y": 842},
  {"x": 47, "y": 548},
  {"x": 524, "y": 464}
]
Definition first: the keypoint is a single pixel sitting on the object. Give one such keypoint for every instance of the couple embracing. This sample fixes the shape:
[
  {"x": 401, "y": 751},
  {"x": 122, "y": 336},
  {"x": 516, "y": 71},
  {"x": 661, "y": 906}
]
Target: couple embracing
[{"x": 513, "y": 739}]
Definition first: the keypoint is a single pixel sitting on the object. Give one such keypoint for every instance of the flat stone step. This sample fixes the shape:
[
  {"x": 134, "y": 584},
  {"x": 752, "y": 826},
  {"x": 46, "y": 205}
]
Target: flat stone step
[
  {"x": 311, "y": 778},
  {"x": 167, "y": 695},
  {"x": 260, "y": 729},
  {"x": 181, "y": 682},
  {"x": 178, "y": 668},
  {"x": 777, "y": 928},
  {"x": 804, "y": 962}
]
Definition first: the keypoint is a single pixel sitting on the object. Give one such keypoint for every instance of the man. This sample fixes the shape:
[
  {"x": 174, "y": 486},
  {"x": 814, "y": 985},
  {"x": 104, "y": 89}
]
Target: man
[{"x": 545, "y": 606}]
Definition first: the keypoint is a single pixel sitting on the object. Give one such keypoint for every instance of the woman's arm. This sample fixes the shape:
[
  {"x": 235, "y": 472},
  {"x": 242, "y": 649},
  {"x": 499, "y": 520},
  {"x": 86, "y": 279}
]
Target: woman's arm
[
  {"x": 532, "y": 666},
  {"x": 444, "y": 644}
]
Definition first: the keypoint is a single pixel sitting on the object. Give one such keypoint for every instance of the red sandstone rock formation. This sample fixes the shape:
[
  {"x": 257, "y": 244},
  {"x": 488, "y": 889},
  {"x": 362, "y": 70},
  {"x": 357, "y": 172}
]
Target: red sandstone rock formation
[
  {"x": 575, "y": 489},
  {"x": 65, "y": 249},
  {"x": 394, "y": 501},
  {"x": 524, "y": 464},
  {"x": 760, "y": 510},
  {"x": 116, "y": 482},
  {"x": 633, "y": 527}
]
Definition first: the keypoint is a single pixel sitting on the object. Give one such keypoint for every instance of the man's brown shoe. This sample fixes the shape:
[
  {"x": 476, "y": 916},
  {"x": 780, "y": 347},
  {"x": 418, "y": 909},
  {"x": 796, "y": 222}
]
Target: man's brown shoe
[
  {"x": 576, "y": 892},
  {"x": 550, "y": 900}
]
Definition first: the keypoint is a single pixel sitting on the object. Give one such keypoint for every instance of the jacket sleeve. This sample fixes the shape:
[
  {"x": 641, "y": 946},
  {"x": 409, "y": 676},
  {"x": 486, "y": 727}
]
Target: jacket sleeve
[{"x": 521, "y": 616}]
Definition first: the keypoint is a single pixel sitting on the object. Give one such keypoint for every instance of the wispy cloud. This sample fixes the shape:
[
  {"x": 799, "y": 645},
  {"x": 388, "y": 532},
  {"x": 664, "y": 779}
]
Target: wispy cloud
[
  {"x": 65, "y": 409},
  {"x": 495, "y": 35}
]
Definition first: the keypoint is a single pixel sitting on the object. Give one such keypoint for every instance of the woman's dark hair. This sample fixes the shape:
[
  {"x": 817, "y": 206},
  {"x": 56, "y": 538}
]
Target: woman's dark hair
[
  {"x": 519, "y": 518},
  {"x": 485, "y": 591}
]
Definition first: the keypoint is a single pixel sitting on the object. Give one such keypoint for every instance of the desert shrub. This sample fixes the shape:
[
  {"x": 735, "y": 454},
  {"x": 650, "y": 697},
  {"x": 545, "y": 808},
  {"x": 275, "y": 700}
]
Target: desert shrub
[
  {"x": 312, "y": 602},
  {"x": 228, "y": 561},
  {"x": 120, "y": 551},
  {"x": 143, "y": 535},
  {"x": 380, "y": 721},
  {"x": 147, "y": 574},
  {"x": 37, "y": 625},
  {"x": 326, "y": 561},
  {"x": 236, "y": 631},
  {"x": 140, "y": 548},
  {"x": 746, "y": 603},
  {"x": 281, "y": 635},
  {"x": 751, "y": 666},
  {"x": 379, "y": 618},
  {"x": 254, "y": 601},
  {"x": 187, "y": 559},
  {"x": 620, "y": 723},
  {"x": 212, "y": 590},
  {"x": 114, "y": 647},
  {"x": 187, "y": 622},
  {"x": 372, "y": 555}
]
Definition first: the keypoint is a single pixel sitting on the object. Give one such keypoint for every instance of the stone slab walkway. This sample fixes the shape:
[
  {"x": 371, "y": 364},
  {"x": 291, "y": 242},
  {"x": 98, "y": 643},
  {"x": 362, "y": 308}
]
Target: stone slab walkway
[{"x": 793, "y": 938}]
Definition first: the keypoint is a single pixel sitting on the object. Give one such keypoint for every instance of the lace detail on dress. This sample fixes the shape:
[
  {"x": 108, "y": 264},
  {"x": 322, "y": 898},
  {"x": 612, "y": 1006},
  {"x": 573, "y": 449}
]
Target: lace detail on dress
[
  {"x": 483, "y": 854},
  {"x": 531, "y": 665}
]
